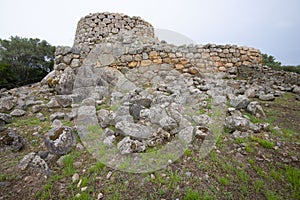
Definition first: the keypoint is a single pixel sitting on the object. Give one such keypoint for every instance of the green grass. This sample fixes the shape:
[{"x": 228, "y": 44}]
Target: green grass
[
  {"x": 192, "y": 195},
  {"x": 293, "y": 177},
  {"x": 188, "y": 152},
  {"x": 3, "y": 177},
  {"x": 69, "y": 168},
  {"x": 270, "y": 195},
  {"x": 253, "y": 119},
  {"x": 96, "y": 168},
  {"x": 224, "y": 180},
  {"x": 258, "y": 185},
  {"x": 265, "y": 143}
]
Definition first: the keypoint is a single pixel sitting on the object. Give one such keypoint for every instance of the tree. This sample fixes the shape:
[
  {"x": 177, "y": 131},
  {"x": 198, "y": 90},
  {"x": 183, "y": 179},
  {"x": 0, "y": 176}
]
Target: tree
[
  {"x": 269, "y": 60},
  {"x": 25, "y": 60}
]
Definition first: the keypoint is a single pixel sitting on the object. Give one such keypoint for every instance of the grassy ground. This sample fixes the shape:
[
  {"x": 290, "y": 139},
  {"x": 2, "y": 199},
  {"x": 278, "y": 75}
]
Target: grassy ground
[{"x": 261, "y": 166}]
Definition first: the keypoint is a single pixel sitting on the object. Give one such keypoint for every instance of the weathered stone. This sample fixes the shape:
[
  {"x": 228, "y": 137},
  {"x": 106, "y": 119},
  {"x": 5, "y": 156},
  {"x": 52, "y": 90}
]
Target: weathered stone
[
  {"x": 168, "y": 123},
  {"x": 51, "y": 104},
  {"x": 34, "y": 160},
  {"x": 56, "y": 123},
  {"x": 135, "y": 110},
  {"x": 134, "y": 130},
  {"x": 240, "y": 123},
  {"x": 60, "y": 140},
  {"x": 266, "y": 97},
  {"x": 64, "y": 100},
  {"x": 66, "y": 81},
  {"x": 186, "y": 135},
  {"x": 17, "y": 113},
  {"x": 240, "y": 102},
  {"x": 128, "y": 145},
  {"x": 5, "y": 117},
  {"x": 201, "y": 120},
  {"x": 109, "y": 140},
  {"x": 255, "y": 109},
  {"x": 10, "y": 140},
  {"x": 75, "y": 63},
  {"x": 106, "y": 59},
  {"x": 36, "y": 108},
  {"x": 6, "y": 104},
  {"x": 62, "y": 50},
  {"x": 104, "y": 117},
  {"x": 57, "y": 115},
  {"x": 146, "y": 63},
  {"x": 296, "y": 89},
  {"x": 41, "y": 116}
]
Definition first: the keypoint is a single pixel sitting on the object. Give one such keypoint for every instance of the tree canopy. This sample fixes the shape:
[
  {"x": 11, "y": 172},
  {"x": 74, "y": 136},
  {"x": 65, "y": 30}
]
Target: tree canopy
[
  {"x": 24, "y": 61},
  {"x": 270, "y": 61}
]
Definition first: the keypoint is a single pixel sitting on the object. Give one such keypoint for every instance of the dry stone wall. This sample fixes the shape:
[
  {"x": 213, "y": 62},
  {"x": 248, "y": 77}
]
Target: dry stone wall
[
  {"x": 93, "y": 28},
  {"x": 123, "y": 41}
]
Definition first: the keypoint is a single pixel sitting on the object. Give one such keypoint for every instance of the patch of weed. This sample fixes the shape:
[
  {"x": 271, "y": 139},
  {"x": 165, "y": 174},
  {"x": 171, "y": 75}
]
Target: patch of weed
[
  {"x": 188, "y": 152},
  {"x": 265, "y": 143},
  {"x": 192, "y": 195}
]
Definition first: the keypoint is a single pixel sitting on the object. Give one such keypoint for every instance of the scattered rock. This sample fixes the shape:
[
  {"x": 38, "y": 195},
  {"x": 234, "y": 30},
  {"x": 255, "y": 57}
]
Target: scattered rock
[
  {"x": 127, "y": 146},
  {"x": 240, "y": 102},
  {"x": 17, "y": 113},
  {"x": 43, "y": 154},
  {"x": 186, "y": 134},
  {"x": 57, "y": 115},
  {"x": 6, "y": 104},
  {"x": 64, "y": 100},
  {"x": 36, "y": 108},
  {"x": 5, "y": 118},
  {"x": 134, "y": 130},
  {"x": 41, "y": 117},
  {"x": 201, "y": 120},
  {"x": 60, "y": 140},
  {"x": 100, "y": 196},
  {"x": 240, "y": 123},
  {"x": 34, "y": 160},
  {"x": 109, "y": 175},
  {"x": 75, "y": 177},
  {"x": 10, "y": 140},
  {"x": 56, "y": 123},
  {"x": 267, "y": 97},
  {"x": 168, "y": 123},
  {"x": 255, "y": 109},
  {"x": 53, "y": 103}
]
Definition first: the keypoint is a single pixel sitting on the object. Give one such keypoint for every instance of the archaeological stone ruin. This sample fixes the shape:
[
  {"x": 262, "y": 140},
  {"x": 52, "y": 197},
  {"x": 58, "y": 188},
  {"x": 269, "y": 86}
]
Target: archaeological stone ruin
[{"x": 128, "y": 93}]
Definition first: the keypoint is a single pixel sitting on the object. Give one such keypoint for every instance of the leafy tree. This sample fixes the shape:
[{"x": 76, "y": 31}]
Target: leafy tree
[
  {"x": 269, "y": 60},
  {"x": 6, "y": 75},
  {"x": 25, "y": 60}
]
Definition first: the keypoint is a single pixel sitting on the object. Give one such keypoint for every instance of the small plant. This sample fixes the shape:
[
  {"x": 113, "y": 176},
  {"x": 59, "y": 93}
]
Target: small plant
[
  {"x": 96, "y": 168},
  {"x": 192, "y": 195},
  {"x": 265, "y": 143},
  {"x": 69, "y": 169},
  {"x": 293, "y": 176},
  {"x": 188, "y": 152},
  {"x": 270, "y": 195},
  {"x": 258, "y": 185},
  {"x": 224, "y": 180}
]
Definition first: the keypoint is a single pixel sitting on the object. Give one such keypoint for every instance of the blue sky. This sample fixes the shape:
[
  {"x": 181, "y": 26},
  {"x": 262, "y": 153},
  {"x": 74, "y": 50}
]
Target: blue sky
[{"x": 273, "y": 26}]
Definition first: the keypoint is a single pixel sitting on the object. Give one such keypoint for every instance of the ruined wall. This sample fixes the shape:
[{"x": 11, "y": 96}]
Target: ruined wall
[
  {"x": 130, "y": 42},
  {"x": 93, "y": 28}
]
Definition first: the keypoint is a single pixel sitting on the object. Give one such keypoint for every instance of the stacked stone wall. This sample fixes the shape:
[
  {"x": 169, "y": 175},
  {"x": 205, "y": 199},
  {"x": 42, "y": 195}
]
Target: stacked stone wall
[{"x": 125, "y": 41}]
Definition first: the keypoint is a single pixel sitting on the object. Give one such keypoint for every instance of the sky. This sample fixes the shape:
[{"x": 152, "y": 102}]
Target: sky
[{"x": 273, "y": 26}]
